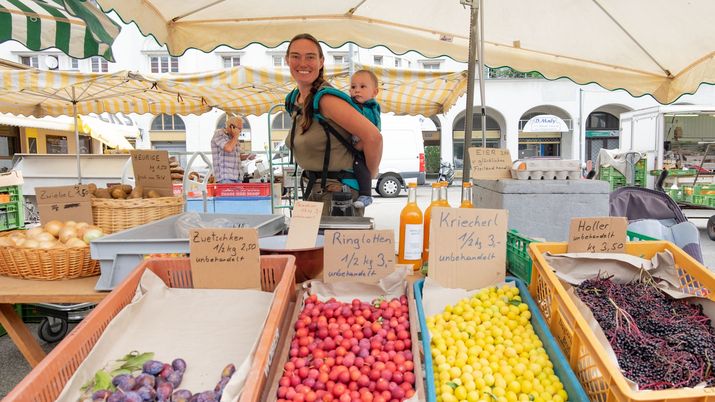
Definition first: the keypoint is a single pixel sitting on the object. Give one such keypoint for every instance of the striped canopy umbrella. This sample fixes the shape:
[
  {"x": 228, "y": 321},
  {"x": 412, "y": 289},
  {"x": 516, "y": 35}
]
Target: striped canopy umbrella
[
  {"x": 76, "y": 27},
  {"x": 253, "y": 91}
]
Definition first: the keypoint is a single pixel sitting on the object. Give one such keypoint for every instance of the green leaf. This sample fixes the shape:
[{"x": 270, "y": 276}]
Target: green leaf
[
  {"x": 514, "y": 302},
  {"x": 102, "y": 380},
  {"x": 134, "y": 362},
  {"x": 120, "y": 370},
  {"x": 492, "y": 395},
  {"x": 453, "y": 385}
]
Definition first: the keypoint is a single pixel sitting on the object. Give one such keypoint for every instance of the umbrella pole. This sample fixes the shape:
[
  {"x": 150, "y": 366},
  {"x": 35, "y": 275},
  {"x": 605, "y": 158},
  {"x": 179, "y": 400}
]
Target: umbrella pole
[
  {"x": 480, "y": 55},
  {"x": 76, "y": 137},
  {"x": 469, "y": 112}
]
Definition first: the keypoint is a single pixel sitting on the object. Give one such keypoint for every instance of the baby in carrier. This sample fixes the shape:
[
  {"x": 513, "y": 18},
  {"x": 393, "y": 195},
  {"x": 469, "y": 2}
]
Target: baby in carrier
[{"x": 363, "y": 90}]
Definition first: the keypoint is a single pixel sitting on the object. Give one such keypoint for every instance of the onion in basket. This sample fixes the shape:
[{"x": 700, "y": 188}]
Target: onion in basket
[
  {"x": 46, "y": 245},
  {"x": 67, "y": 232},
  {"x": 34, "y": 232},
  {"x": 44, "y": 237},
  {"x": 91, "y": 234},
  {"x": 54, "y": 227},
  {"x": 75, "y": 242},
  {"x": 30, "y": 243}
]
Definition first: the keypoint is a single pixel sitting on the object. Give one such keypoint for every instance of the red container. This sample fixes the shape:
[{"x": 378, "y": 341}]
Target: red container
[
  {"x": 194, "y": 194},
  {"x": 242, "y": 190}
]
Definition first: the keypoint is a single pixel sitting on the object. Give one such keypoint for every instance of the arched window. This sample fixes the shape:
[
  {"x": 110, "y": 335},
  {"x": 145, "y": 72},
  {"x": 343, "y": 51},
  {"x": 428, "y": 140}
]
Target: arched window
[
  {"x": 602, "y": 121},
  {"x": 168, "y": 122},
  {"x": 476, "y": 123},
  {"x": 282, "y": 122}
]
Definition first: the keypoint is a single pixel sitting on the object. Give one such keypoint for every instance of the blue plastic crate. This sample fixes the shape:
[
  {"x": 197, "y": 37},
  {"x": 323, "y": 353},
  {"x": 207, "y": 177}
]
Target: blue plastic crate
[
  {"x": 197, "y": 205},
  {"x": 243, "y": 205},
  {"x": 561, "y": 366}
]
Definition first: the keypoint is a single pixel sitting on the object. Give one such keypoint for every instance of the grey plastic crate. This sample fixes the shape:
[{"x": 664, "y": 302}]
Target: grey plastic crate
[{"x": 121, "y": 252}]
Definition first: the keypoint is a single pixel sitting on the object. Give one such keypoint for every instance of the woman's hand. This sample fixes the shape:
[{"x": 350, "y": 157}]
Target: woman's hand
[{"x": 356, "y": 124}]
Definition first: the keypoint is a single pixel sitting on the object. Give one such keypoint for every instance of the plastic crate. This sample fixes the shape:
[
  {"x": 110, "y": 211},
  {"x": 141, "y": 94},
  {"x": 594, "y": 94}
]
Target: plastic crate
[
  {"x": 242, "y": 190},
  {"x": 617, "y": 179},
  {"x": 518, "y": 261},
  {"x": 634, "y": 236},
  {"x": 242, "y": 205},
  {"x": 599, "y": 375},
  {"x": 46, "y": 381},
  {"x": 11, "y": 194},
  {"x": 178, "y": 190},
  {"x": 561, "y": 367},
  {"x": 283, "y": 352},
  {"x": 12, "y": 216}
]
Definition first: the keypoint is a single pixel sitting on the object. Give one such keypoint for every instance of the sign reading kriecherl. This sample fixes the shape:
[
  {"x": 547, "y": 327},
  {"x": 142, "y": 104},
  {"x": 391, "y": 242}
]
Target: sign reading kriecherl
[
  {"x": 358, "y": 255},
  {"x": 467, "y": 247},
  {"x": 225, "y": 258}
]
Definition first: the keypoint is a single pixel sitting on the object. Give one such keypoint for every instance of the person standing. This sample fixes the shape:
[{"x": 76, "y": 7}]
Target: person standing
[
  {"x": 226, "y": 152},
  {"x": 322, "y": 149}
]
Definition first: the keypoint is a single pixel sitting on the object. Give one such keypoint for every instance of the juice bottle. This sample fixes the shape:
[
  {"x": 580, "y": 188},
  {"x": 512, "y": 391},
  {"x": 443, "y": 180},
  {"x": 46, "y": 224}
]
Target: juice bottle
[
  {"x": 410, "y": 247},
  {"x": 467, "y": 195},
  {"x": 443, "y": 199},
  {"x": 428, "y": 213}
]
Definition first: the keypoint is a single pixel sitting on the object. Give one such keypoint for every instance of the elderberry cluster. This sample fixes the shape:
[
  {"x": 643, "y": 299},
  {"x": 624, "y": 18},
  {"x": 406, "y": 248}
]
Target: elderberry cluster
[{"x": 660, "y": 342}]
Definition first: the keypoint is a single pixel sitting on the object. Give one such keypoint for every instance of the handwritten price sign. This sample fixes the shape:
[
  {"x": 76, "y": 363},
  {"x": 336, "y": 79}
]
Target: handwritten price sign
[
  {"x": 490, "y": 163},
  {"x": 467, "y": 247},
  {"x": 151, "y": 171},
  {"x": 597, "y": 235},
  {"x": 64, "y": 203},
  {"x": 225, "y": 258},
  {"x": 358, "y": 255}
]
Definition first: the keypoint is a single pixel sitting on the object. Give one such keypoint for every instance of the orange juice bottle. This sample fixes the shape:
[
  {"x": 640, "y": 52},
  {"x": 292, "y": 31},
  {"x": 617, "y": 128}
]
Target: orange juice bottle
[
  {"x": 410, "y": 247},
  {"x": 428, "y": 213},
  {"x": 467, "y": 195},
  {"x": 443, "y": 199}
]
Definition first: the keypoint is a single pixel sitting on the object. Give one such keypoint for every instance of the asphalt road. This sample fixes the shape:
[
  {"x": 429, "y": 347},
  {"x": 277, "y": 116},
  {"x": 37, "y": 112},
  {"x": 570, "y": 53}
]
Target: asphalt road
[{"x": 386, "y": 213}]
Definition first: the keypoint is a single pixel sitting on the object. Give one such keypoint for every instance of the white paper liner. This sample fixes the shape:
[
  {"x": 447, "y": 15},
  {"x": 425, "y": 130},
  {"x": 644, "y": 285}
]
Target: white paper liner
[
  {"x": 574, "y": 268},
  {"x": 435, "y": 297},
  {"x": 209, "y": 328}
]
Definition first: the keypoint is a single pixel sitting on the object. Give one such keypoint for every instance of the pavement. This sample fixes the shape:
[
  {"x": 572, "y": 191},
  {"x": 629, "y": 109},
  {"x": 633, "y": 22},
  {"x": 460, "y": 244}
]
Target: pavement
[{"x": 13, "y": 367}]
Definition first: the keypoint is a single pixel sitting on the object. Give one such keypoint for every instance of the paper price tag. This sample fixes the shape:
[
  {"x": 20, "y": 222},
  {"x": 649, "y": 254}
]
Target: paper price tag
[
  {"x": 598, "y": 235},
  {"x": 490, "y": 163},
  {"x": 64, "y": 203},
  {"x": 467, "y": 247},
  {"x": 151, "y": 171},
  {"x": 304, "y": 224},
  {"x": 358, "y": 255},
  {"x": 225, "y": 258}
]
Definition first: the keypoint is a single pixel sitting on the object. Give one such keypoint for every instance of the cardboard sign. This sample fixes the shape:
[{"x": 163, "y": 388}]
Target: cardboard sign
[
  {"x": 64, "y": 203},
  {"x": 151, "y": 171},
  {"x": 358, "y": 255},
  {"x": 490, "y": 163},
  {"x": 303, "y": 227},
  {"x": 225, "y": 258},
  {"x": 598, "y": 235},
  {"x": 467, "y": 247}
]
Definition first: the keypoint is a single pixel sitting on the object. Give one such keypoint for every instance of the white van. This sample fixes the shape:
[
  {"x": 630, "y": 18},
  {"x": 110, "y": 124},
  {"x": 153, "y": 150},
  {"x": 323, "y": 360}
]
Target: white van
[{"x": 403, "y": 155}]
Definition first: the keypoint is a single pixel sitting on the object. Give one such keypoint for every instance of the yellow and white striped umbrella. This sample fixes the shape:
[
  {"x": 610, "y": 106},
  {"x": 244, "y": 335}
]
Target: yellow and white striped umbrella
[
  {"x": 54, "y": 93},
  {"x": 253, "y": 91}
]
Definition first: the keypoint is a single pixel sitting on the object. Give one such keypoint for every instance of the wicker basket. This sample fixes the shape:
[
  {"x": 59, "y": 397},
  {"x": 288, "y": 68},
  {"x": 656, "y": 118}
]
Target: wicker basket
[
  {"x": 116, "y": 215},
  {"x": 50, "y": 265}
]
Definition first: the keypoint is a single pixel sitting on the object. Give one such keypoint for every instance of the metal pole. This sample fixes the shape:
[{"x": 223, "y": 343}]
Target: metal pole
[
  {"x": 474, "y": 11},
  {"x": 481, "y": 73},
  {"x": 351, "y": 62},
  {"x": 76, "y": 136},
  {"x": 581, "y": 133}
]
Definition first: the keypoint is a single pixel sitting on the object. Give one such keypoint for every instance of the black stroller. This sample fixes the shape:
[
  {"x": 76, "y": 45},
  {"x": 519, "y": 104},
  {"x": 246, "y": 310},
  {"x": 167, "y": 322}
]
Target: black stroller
[{"x": 641, "y": 204}]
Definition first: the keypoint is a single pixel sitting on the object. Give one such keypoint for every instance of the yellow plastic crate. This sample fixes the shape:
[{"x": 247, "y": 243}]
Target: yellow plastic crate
[{"x": 599, "y": 375}]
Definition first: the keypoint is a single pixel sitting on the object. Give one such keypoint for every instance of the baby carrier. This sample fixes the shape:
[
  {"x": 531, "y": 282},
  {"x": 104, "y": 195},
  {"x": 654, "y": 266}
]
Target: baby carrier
[{"x": 330, "y": 131}]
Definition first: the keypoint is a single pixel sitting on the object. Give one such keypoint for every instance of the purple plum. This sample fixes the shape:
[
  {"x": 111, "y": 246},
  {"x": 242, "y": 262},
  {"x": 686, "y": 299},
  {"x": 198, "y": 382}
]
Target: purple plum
[
  {"x": 179, "y": 365},
  {"x": 182, "y": 395},
  {"x": 152, "y": 367}
]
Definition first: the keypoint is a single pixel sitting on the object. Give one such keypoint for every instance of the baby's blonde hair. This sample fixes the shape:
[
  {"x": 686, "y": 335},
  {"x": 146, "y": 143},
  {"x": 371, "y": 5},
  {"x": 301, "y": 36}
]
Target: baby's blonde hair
[{"x": 373, "y": 76}]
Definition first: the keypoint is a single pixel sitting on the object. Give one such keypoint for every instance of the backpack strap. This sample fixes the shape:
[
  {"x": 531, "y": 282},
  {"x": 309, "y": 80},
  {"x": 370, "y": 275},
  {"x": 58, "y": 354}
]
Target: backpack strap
[
  {"x": 290, "y": 100},
  {"x": 335, "y": 92}
]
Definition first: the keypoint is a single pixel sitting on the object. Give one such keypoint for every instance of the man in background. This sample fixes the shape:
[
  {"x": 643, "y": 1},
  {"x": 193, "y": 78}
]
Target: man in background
[{"x": 226, "y": 152}]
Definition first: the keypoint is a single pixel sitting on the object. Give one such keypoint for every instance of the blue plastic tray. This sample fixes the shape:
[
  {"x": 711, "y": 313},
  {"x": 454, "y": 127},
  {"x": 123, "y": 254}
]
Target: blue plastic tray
[{"x": 561, "y": 366}]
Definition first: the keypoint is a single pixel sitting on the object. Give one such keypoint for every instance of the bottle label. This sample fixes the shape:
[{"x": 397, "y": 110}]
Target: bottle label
[{"x": 413, "y": 241}]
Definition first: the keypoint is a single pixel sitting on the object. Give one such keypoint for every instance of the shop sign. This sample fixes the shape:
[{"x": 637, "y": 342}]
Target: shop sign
[
  {"x": 304, "y": 224},
  {"x": 545, "y": 123},
  {"x": 114, "y": 118},
  {"x": 225, "y": 258},
  {"x": 602, "y": 133},
  {"x": 490, "y": 163},
  {"x": 597, "y": 235}
]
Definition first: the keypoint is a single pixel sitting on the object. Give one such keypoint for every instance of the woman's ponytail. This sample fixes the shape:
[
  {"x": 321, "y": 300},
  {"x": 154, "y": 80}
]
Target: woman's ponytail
[{"x": 308, "y": 111}]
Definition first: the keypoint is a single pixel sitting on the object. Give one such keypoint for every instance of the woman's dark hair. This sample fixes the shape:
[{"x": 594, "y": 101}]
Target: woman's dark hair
[{"x": 308, "y": 101}]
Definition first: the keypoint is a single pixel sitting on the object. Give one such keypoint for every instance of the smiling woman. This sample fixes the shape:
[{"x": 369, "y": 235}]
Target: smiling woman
[{"x": 323, "y": 149}]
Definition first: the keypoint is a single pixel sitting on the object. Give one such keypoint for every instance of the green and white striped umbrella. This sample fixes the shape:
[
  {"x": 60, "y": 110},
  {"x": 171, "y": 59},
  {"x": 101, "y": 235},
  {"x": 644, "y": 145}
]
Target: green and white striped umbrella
[{"x": 76, "y": 27}]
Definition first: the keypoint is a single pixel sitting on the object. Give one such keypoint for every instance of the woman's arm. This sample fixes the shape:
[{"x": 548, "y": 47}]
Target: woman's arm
[{"x": 356, "y": 124}]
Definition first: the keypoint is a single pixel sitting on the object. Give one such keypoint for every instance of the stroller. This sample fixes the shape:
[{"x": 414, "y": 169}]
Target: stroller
[{"x": 653, "y": 213}]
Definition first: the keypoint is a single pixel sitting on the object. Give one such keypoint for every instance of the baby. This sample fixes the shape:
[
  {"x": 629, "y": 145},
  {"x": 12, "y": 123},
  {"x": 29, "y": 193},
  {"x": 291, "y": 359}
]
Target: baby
[{"x": 363, "y": 90}]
